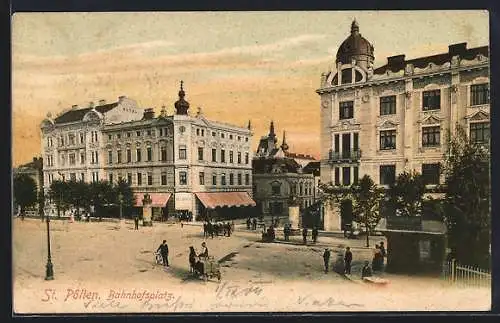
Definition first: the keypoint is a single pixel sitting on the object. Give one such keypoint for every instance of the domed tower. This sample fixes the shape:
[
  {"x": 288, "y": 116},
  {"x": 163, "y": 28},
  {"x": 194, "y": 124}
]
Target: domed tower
[
  {"x": 356, "y": 47},
  {"x": 181, "y": 106}
]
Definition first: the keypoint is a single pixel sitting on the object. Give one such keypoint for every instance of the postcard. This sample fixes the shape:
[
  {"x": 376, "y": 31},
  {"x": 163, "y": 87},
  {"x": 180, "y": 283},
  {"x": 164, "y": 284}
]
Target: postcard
[{"x": 283, "y": 161}]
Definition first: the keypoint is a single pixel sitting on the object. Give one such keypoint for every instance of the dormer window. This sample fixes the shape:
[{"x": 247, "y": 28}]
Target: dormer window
[{"x": 347, "y": 76}]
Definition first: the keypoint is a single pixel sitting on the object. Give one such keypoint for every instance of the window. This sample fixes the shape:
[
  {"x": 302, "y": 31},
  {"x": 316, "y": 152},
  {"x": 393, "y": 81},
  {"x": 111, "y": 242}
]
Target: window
[
  {"x": 149, "y": 154},
  {"x": 96, "y": 158},
  {"x": 197, "y": 132},
  {"x": 336, "y": 143},
  {"x": 138, "y": 133},
  {"x": 231, "y": 137},
  {"x": 138, "y": 154},
  {"x": 239, "y": 179},
  {"x": 72, "y": 176},
  {"x": 110, "y": 137},
  {"x": 129, "y": 134},
  {"x": 82, "y": 138},
  {"x": 119, "y": 136},
  {"x": 222, "y": 135},
  {"x": 387, "y": 105},
  {"x": 223, "y": 179},
  {"x": 222, "y": 156},
  {"x": 182, "y": 152},
  {"x": 346, "y": 75},
  {"x": 139, "y": 179},
  {"x": 337, "y": 176},
  {"x": 387, "y": 139},
  {"x": 346, "y": 110},
  {"x": 200, "y": 153},
  {"x": 231, "y": 160},
  {"x": 346, "y": 175},
  {"x": 214, "y": 155},
  {"x": 247, "y": 179},
  {"x": 246, "y": 158},
  {"x": 71, "y": 139},
  {"x": 201, "y": 177},
  {"x": 110, "y": 178},
  {"x": 430, "y": 173},
  {"x": 239, "y": 157},
  {"x": 163, "y": 152},
  {"x": 431, "y": 100},
  {"x": 246, "y": 139},
  {"x": 161, "y": 132},
  {"x": 387, "y": 174},
  {"x": 119, "y": 156},
  {"x": 202, "y": 132},
  {"x": 150, "y": 179},
  {"x": 148, "y": 132},
  {"x": 110, "y": 157},
  {"x": 129, "y": 178},
  {"x": 82, "y": 177},
  {"x": 183, "y": 178},
  {"x": 355, "y": 142},
  {"x": 431, "y": 136},
  {"x": 163, "y": 179},
  {"x": 479, "y": 94},
  {"x": 72, "y": 159},
  {"x": 213, "y": 133},
  {"x": 119, "y": 177},
  {"x": 231, "y": 179},
  {"x": 214, "y": 179},
  {"x": 239, "y": 138},
  {"x": 129, "y": 155},
  {"x": 355, "y": 174},
  {"x": 276, "y": 188},
  {"x": 480, "y": 132},
  {"x": 82, "y": 158},
  {"x": 301, "y": 189}
]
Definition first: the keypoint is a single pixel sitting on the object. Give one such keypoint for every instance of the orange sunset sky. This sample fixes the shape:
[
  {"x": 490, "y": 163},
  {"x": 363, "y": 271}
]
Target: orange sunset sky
[{"x": 237, "y": 66}]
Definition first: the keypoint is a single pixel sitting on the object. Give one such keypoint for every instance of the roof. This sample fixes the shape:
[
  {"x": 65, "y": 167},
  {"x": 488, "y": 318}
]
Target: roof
[
  {"x": 211, "y": 200},
  {"x": 265, "y": 165},
  {"x": 438, "y": 59},
  {"x": 158, "y": 199},
  {"x": 312, "y": 168},
  {"x": 77, "y": 115},
  {"x": 301, "y": 156}
]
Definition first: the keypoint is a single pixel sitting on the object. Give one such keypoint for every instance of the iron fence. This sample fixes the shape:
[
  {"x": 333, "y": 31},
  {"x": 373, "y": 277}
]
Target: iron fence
[{"x": 465, "y": 276}]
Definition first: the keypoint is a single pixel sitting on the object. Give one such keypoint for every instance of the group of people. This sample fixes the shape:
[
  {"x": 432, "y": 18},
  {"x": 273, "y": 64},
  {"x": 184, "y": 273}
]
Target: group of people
[
  {"x": 211, "y": 229},
  {"x": 194, "y": 259},
  {"x": 367, "y": 270},
  {"x": 314, "y": 234},
  {"x": 251, "y": 224}
]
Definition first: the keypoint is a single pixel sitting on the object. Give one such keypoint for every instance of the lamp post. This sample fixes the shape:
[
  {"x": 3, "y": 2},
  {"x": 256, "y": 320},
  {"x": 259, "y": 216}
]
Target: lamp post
[
  {"x": 49, "y": 273},
  {"x": 120, "y": 199}
]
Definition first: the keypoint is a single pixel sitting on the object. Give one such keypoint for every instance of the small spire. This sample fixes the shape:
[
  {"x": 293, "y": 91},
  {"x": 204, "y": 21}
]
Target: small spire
[
  {"x": 249, "y": 125},
  {"x": 271, "y": 130},
  {"x": 284, "y": 145},
  {"x": 199, "y": 112},
  {"x": 354, "y": 27}
]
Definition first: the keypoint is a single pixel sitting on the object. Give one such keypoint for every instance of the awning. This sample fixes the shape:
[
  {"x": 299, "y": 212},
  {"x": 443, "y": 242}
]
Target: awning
[
  {"x": 228, "y": 199},
  {"x": 158, "y": 199}
]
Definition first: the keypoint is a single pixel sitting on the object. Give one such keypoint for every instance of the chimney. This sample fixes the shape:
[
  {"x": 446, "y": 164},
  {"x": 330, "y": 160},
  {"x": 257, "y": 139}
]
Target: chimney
[
  {"x": 148, "y": 114},
  {"x": 91, "y": 104},
  {"x": 396, "y": 63},
  {"x": 102, "y": 102},
  {"x": 74, "y": 107},
  {"x": 121, "y": 97},
  {"x": 457, "y": 49}
]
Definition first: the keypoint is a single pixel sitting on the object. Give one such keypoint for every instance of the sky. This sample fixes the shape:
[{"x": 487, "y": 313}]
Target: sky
[{"x": 236, "y": 66}]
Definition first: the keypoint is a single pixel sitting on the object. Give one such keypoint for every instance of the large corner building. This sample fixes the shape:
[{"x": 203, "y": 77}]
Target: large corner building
[{"x": 381, "y": 121}]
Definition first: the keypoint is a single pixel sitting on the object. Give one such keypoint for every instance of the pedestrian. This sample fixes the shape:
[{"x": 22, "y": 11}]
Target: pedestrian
[
  {"x": 304, "y": 235},
  {"x": 315, "y": 234},
  {"x": 211, "y": 229},
  {"x": 229, "y": 228},
  {"x": 286, "y": 231},
  {"x": 232, "y": 226},
  {"x": 377, "y": 259},
  {"x": 326, "y": 259},
  {"x": 383, "y": 252},
  {"x": 366, "y": 271},
  {"x": 347, "y": 261},
  {"x": 136, "y": 222},
  {"x": 248, "y": 223},
  {"x": 254, "y": 222},
  {"x": 204, "y": 250},
  {"x": 192, "y": 259},
  {"x": 163, "y": 249}
]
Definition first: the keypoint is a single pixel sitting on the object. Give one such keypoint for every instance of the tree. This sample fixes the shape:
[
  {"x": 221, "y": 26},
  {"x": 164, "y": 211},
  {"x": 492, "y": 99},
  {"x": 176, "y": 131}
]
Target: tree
[
  {"x": 59, "y": 192},
  {"x": 407, "y": 194},
  {"x": 467, "y": 201},
  {"x": 128, "y": 197},
  {"x": 366, "y": 197},
  {"x": 78, "y": 195},
  {"x": 101, "y": 193},
  {"x": 25, "y": 192}
]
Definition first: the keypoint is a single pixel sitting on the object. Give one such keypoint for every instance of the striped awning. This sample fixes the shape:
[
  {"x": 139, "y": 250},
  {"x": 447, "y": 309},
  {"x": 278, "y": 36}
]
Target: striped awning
[
  {"x": 158, "y": 199},
  {"x": 211, "y": 200}
]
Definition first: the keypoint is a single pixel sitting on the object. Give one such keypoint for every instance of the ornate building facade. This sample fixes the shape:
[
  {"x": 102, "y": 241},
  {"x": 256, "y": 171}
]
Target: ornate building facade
[
  {"x": 394, "y": 118},
  {"x": 183, "y": 162}
]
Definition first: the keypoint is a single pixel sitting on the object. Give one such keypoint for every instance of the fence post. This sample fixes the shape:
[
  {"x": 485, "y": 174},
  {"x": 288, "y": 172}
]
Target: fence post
[{"x": 452, "y": 264}]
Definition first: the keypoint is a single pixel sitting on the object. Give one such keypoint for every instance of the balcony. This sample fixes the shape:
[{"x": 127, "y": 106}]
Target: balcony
[{"x": 345, "y": 156}]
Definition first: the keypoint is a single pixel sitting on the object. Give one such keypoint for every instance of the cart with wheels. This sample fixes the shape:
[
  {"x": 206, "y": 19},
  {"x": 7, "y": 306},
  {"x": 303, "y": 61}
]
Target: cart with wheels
[{"x": 211, "y": 268}]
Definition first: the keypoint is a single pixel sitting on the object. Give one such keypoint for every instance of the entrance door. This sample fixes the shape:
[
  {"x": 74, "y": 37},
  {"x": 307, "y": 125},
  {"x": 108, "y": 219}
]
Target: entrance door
[
  {"x": 345, "y": 213},
  {"x": 346, "y": 145}
]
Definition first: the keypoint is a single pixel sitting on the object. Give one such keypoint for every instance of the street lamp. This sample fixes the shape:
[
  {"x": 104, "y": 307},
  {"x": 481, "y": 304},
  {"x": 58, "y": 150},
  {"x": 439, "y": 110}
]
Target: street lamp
[{"x": 49, "y": 273}]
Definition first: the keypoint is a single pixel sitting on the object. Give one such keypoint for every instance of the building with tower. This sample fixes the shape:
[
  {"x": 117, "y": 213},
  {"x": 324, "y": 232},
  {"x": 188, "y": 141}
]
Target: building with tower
[
  {"x": 381, "y": 121},
  {"x": 184, "y": 162},
  {"x": 277, "y": 177}
]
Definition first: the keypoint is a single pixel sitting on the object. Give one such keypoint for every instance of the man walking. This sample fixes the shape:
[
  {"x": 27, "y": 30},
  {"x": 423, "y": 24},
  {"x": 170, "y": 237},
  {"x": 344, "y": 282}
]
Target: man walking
[
  {"x": 136, "y": 223},
  {"x": 347, "y": 261},
  {"x": 315, "y": 234},
  {"x": 304, "y": 235},
  {"x": 163, "y": 249},
  {"x": 326, "y": 258}
]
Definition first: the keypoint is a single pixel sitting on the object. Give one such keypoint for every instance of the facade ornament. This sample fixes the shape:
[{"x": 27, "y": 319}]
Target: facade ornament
[
  {"x": 454, "y": 88},
  {"x": 408, "y": 94},
  {"x": 455, "y": 61},
  {"x": 409, "y": 69},
  {"x": 365, "y": 98},
  {"x": 199, "y": 112}
]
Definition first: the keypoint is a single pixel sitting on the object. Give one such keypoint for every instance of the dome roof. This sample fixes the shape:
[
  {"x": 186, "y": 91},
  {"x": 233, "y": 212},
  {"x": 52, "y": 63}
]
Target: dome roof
[
  {"x": 355, "y": 46},
  {"x": 181, "y": 106}
]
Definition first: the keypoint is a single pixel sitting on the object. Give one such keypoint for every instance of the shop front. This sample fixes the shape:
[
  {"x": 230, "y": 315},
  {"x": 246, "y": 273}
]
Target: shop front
[
  {"x": 155, "y": 208},
  {"x": 224, "y": 205}
]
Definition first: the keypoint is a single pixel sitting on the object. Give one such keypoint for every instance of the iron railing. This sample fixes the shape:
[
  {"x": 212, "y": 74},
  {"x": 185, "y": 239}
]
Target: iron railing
[
  {"x": 465, "y": 276},
  {"x": 350, "y": 155}
]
